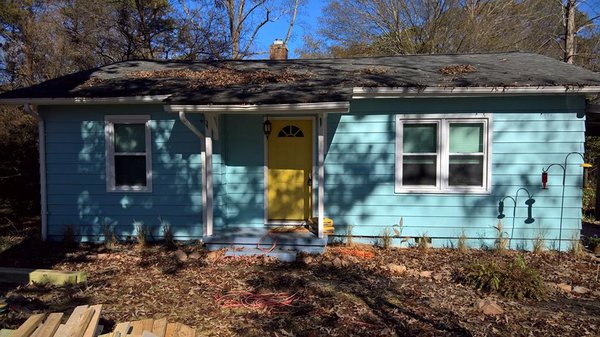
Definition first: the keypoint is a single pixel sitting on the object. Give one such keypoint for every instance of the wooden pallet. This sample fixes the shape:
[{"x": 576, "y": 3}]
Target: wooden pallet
[
  {"x": 83, "y": 322},
  {"x": 151, "y": 328}
]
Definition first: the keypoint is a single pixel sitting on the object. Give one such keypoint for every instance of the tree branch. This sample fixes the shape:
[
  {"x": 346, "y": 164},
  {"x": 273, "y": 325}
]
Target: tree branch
[
  {"x": 251, "y": 40},
  {"x": 292, "y": 20}
]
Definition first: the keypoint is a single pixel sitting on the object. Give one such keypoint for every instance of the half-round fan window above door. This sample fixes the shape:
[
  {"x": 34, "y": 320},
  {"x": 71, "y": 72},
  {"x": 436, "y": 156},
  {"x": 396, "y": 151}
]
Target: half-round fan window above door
[{"x": 290, "y": 131}]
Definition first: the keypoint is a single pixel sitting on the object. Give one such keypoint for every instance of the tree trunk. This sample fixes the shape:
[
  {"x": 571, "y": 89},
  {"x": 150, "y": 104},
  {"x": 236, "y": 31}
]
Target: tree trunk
[
  {"x": 570, "y": 31},
  {"x": 597, "y": 206}
]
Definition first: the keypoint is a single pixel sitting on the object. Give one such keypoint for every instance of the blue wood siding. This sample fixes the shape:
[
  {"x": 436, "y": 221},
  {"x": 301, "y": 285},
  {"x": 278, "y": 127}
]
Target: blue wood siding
[
  {"x": 244, "y": 172},
  {"x": 76, "y": 173},
  {"x": 528, "y": 134}
]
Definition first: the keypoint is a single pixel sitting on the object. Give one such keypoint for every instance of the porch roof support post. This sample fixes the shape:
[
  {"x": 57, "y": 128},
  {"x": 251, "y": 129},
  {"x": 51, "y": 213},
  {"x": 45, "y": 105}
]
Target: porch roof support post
[
  {"x": 322, "y": 148},
  {"x": 202, "y": 137},
  {"x": 208, "y": 147}
]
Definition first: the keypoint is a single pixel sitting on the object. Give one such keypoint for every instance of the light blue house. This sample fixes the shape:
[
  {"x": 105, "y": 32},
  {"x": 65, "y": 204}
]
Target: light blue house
[{"x": 226, "y": 150}]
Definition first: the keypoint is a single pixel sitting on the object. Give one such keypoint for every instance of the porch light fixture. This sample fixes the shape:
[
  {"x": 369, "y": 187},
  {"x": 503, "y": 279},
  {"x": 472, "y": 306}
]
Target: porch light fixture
[
  {"x": 562, "y": 202},
  {"x": 267, "y": 127}
]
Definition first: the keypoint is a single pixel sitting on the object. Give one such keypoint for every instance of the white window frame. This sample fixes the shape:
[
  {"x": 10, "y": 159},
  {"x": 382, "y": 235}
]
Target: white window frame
[
  {"x": 109, "y": 135},
  {"x": 443, "y": 152}
]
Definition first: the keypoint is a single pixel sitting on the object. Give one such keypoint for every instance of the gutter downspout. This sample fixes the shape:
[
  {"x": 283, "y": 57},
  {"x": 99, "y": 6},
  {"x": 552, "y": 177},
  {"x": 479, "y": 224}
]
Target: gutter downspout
[
  {"x": 207, "y": 230},
  {"x": 31, "y": 110}
]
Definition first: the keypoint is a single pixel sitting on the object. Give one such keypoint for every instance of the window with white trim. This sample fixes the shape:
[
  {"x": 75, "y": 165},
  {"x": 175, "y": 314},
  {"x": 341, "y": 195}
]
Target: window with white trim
[
  {"x": 443, "y": 153},
  {"x": 128, "y": 157}
]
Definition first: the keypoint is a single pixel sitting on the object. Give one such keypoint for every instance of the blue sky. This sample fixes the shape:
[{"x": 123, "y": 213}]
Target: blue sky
[{"x": 307, "y": 20}]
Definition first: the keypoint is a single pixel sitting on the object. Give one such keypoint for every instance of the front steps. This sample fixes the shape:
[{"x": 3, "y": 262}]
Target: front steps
[
  {"x": 247, "y": 241},
  {"x": 284, "y": 255}
]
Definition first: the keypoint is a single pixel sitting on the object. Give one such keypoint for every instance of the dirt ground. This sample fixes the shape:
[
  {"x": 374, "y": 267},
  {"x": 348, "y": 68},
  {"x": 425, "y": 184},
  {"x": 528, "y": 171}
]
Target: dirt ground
[{"x": 335, "y": 294}]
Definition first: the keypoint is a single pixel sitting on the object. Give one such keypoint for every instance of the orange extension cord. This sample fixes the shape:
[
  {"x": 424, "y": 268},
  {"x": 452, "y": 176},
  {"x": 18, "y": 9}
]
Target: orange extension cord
[{"x": 267, "y": 302}]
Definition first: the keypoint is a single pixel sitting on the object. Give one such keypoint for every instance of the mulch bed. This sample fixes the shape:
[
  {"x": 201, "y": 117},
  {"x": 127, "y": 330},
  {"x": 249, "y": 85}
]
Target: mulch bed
[{"x": 341, "y": 293}]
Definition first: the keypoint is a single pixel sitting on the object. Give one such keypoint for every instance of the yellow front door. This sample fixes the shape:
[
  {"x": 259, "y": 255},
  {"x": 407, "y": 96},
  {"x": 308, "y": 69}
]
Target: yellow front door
[{"x": 290, "y": 170}]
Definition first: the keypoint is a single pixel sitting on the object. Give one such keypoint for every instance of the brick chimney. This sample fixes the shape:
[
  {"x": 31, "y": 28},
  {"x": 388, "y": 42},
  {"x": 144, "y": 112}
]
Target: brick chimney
[{"x": 278, "y": 50}]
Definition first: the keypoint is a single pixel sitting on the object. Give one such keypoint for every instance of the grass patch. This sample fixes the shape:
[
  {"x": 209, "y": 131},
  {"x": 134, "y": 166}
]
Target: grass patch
[
  {"x": 349, "y": 236},
  {"x": 141, "y": 234},
  {"x": 462, "y": 242},
  {"x": 576, "y": 247},
  {"x": 385, "y": 241}
]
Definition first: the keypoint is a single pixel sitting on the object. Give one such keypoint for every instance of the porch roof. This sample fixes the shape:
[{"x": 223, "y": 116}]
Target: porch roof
[{"x": 304, "y": 80}]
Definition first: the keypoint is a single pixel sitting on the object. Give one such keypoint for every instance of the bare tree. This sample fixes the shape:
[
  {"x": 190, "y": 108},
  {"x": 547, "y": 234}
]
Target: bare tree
[
  {"x": 387, "y": 27},
  {"x": 242, "y": 21},
  {"x": 573, "y": 26}
]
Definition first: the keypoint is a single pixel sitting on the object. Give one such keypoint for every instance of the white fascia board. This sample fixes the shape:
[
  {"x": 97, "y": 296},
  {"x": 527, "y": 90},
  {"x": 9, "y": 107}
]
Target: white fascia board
[
  {"x": 400, "y": 92},
  {"x": 157, "y": 99},
  {"x": 340, "y": 107}
]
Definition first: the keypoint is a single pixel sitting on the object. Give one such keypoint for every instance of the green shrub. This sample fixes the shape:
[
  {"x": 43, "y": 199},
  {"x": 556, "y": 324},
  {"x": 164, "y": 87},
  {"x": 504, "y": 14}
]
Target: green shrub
[
  {"x": 589, "y": 197},
  {"x": 593, "y": 241},
  {"x": 483, "y": 276},
  {"x": 514, "y": 280}
]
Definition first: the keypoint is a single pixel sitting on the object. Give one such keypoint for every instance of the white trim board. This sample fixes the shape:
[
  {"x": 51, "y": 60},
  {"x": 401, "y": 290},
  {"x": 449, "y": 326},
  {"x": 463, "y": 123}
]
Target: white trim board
[
  {"x": 284, "y": 109},
  {"x": 407, "y": 92},
  {"x": 109, "y": 132},
  {"x": 442, "y": 152}
]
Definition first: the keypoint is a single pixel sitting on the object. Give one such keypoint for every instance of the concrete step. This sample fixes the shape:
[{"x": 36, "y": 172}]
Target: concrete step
[
  {"x": 301, "y": 242},
  {"x": 303, "y": 249},
  {"x": 280, "y": 254}
]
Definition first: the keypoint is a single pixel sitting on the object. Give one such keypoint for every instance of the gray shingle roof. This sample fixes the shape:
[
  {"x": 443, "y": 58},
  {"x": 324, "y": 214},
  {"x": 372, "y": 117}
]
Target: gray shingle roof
[{"x": 305, "y": 80}]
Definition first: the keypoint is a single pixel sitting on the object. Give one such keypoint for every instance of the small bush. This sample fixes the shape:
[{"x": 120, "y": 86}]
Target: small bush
[
  {"x": 592, "y": 242},
  {"x": 385, "y": 241},
  {"x": 69, "y": 235},
  {"x": 576, "y": 247},
  {"x": 514, "y": 280},
  {"x": 539, "y": 243},
  {"x": 423, "y": 242},
  {"x": 349, "y": 236},
  {"x": 141, "y": 234},
  {"x": 110, "y": 239},
  {"x": 502, "y": 238},
  {"x": 168, "y": 235},
  {"x": 483, "y": 276}
]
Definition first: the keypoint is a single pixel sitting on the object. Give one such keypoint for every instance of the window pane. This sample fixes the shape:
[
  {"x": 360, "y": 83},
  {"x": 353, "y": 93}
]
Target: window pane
[
  {"x": 130, "y": 138},
  {"x": 419, "y": 138},
  {"x": 419, "y": 170},
  {"x": 465, "y": 171},
  {"x": 130, "y": 170},
  {"x": 466, "y": 137}
]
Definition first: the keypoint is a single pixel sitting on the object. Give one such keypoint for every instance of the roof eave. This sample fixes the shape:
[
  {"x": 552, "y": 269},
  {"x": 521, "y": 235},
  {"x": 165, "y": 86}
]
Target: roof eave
[
  {"x": 407, "y": 92},
  {"x": 154, "y": 99},
  {"x": 333, "y": 107}
]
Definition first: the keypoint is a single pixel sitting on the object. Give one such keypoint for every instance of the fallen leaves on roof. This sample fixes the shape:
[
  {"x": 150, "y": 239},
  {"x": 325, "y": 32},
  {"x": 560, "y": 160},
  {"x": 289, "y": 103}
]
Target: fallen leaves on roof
[
  {"x": 456, "y": 69},
  {"x": 373, "y": 71},
  {"x": 92, "y": 81},
  {"x": 223, "y": 77}
]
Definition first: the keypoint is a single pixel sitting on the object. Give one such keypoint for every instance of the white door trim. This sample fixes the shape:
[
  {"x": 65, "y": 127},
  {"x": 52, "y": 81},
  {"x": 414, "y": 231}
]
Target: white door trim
[{"x": 266, "y": 170}]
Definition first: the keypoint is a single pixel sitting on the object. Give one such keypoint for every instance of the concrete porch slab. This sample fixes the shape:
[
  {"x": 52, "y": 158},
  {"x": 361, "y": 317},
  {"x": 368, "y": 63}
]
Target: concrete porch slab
[{"x": 305, "y": 242}]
